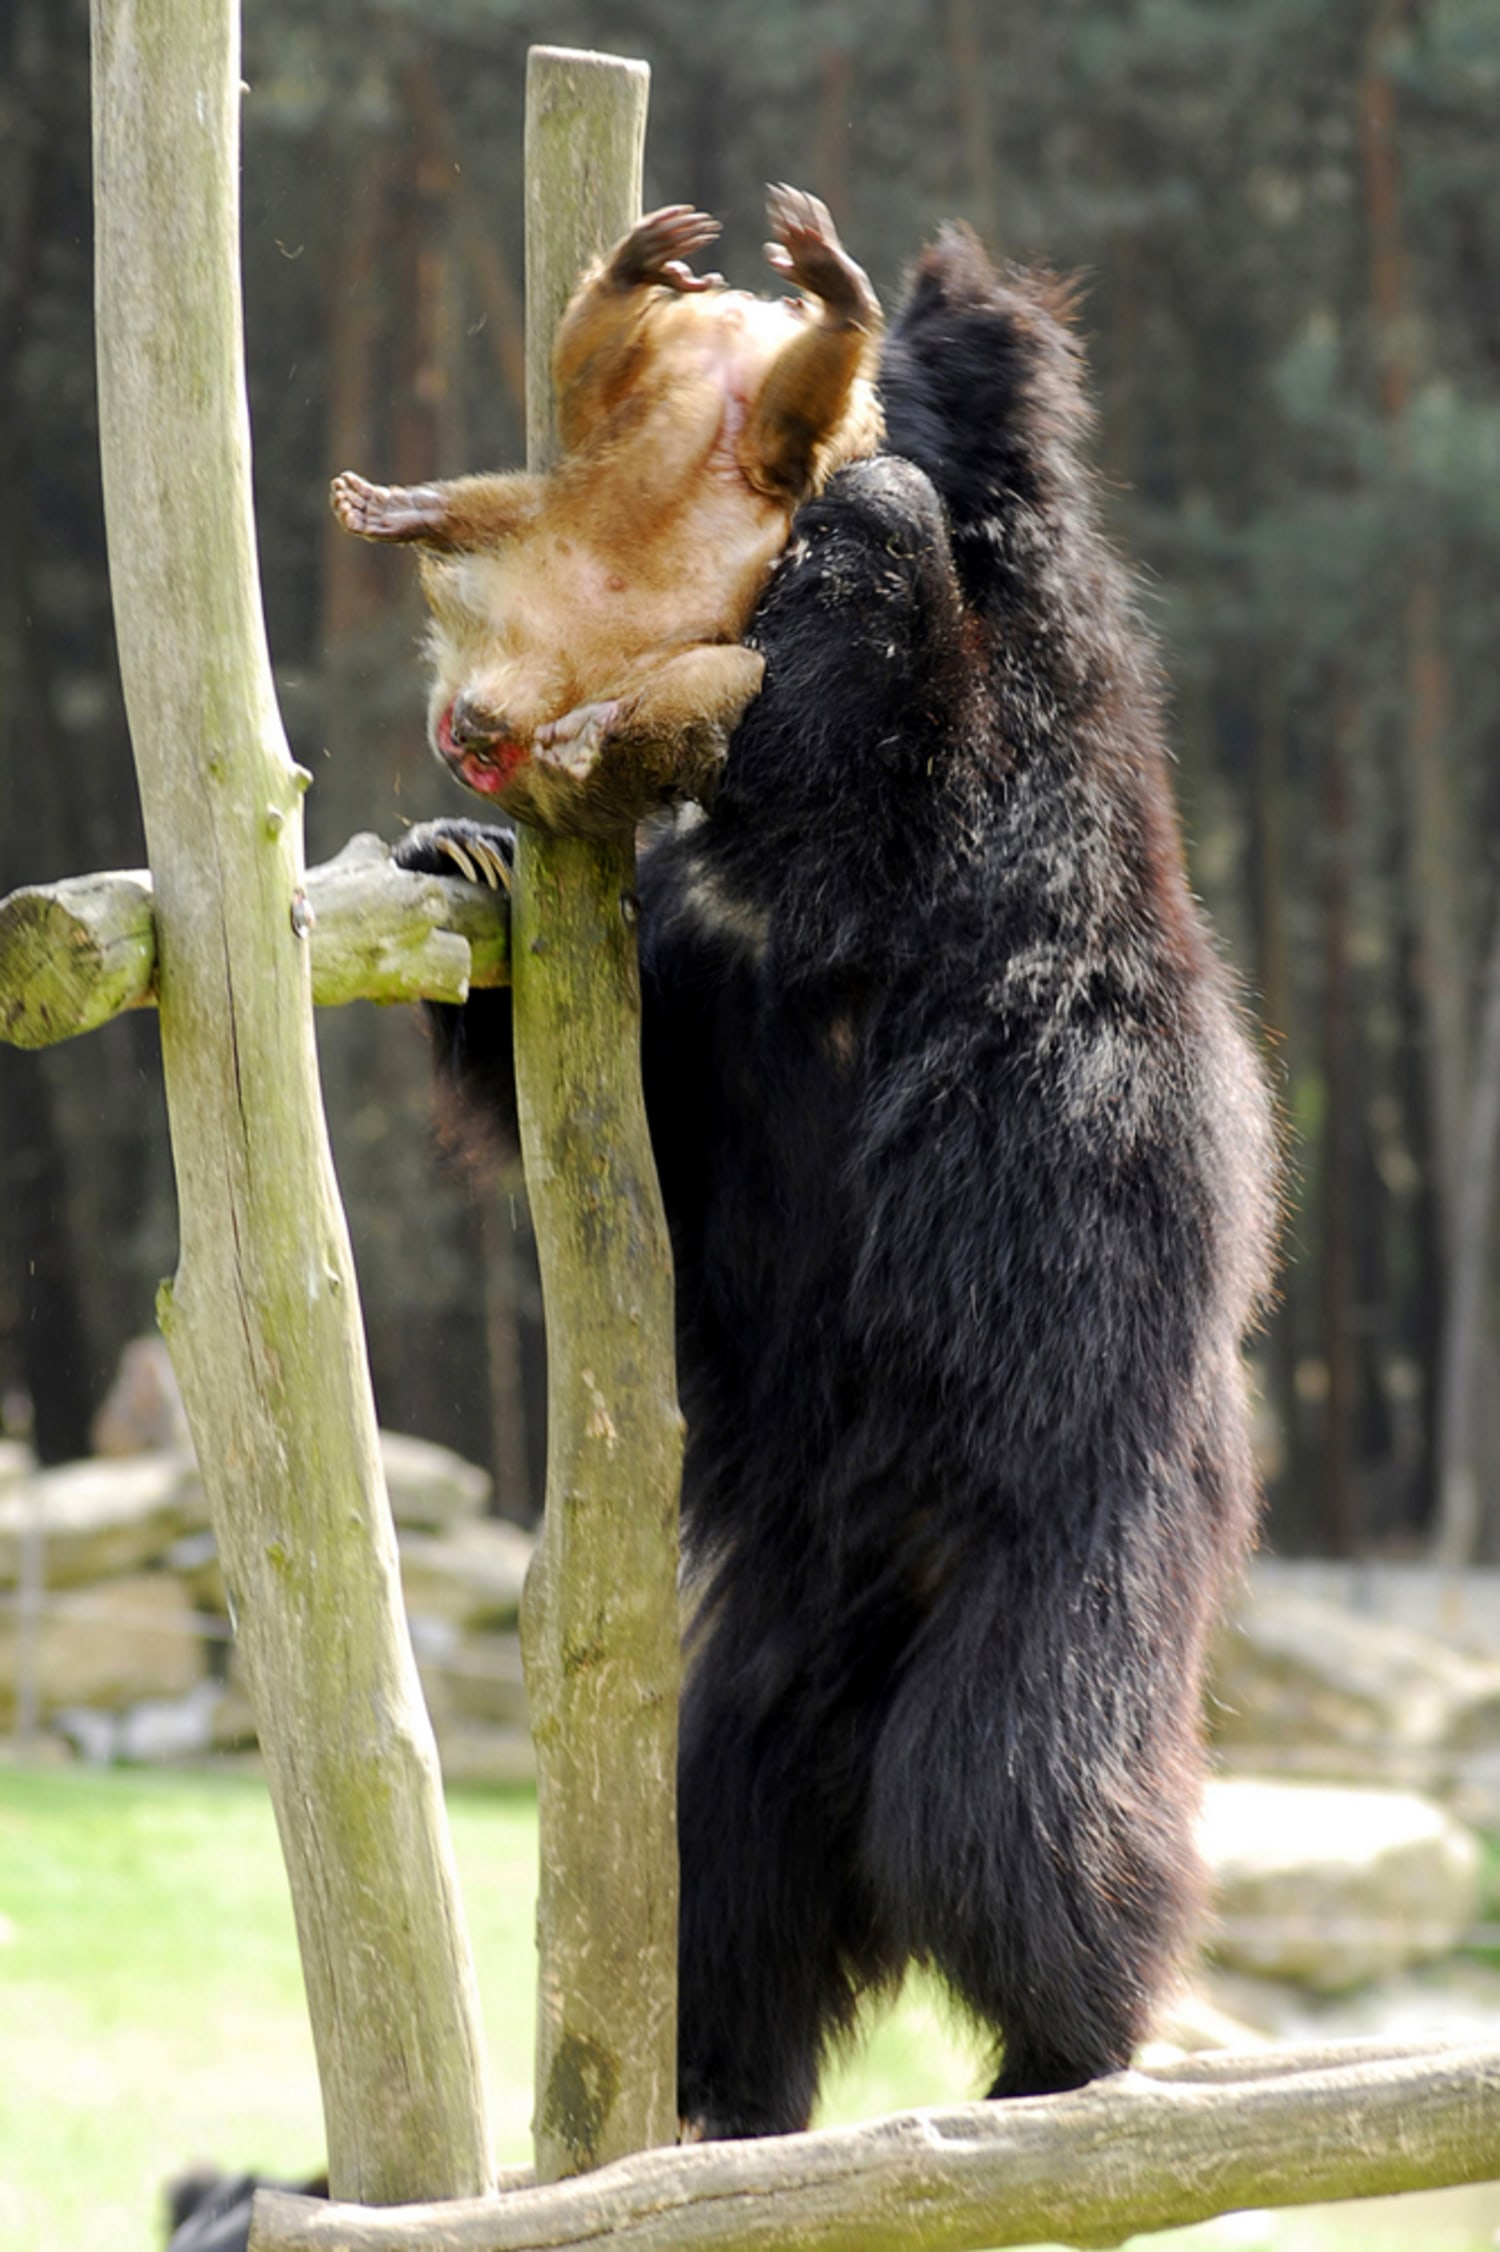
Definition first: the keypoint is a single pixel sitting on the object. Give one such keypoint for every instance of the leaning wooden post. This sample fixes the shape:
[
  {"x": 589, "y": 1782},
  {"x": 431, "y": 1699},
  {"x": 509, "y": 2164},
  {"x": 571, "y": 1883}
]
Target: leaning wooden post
[
  {"x": 600, "y": 1620},
  {"x": 263, "y": 1315}
]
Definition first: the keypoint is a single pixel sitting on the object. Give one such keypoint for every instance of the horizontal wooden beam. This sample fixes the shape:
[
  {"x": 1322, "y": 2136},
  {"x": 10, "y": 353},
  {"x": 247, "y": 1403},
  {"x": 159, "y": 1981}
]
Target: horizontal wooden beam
[
  {"x": 1148, "y": 2150},
  {"x": 76, "y": 953}
]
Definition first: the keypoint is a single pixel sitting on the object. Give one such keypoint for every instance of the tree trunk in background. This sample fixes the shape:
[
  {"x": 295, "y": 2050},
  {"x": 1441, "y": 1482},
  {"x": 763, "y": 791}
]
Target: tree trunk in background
[
  {"x": 419, "y": 332},
  {"x": 477, "y": 249},
  {"x": 1460, "y": 1517},
  {"x": 1440, "y": 963},
  {"x": 1338, "y": 1512},
  {"x": 980, "y": 190},
  {"x": 354, "y": 590},
  {"x": 830, "y": 168},
  {"x": 1274, "y": 1014}
]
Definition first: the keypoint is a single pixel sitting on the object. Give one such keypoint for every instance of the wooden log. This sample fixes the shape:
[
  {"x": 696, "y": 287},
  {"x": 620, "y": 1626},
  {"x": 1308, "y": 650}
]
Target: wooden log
[
  {"x": 263, "y": 1315},
  {"x": 76, "y": 953},
  {"x": 1145, "y": 2151}
]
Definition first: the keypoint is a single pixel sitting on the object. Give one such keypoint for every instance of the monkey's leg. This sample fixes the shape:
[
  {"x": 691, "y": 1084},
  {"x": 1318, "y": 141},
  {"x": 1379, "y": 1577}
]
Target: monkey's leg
[
  {"x": 469, "y": 512},
  {"x": 807, "y": 389},
  {"x": 657, "y": 249},
  {"x": 808, "y": 251},
  {"x": 596, "y": 351}
]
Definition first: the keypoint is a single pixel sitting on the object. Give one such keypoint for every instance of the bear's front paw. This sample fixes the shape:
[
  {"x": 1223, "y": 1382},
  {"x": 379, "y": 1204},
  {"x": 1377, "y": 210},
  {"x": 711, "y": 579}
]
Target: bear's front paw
[{"x": 480, "y": 852}]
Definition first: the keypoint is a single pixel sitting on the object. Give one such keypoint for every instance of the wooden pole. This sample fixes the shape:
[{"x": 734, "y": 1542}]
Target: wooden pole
[
  {"x": 599, "y": 1625},
  {"x": 263, "y": 1314}
]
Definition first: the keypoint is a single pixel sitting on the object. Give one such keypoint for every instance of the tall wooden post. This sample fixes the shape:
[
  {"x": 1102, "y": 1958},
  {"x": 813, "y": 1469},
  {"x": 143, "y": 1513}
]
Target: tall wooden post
[
  {"x": 600, "y": 1620},
  {"x": 263, "y": 1315}
]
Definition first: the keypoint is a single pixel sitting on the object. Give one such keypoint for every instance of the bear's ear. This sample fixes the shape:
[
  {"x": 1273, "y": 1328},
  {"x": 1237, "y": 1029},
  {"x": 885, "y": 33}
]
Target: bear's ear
[
  {"x": 1060, "y": 295},
  {"x": 955, "y": 270}
]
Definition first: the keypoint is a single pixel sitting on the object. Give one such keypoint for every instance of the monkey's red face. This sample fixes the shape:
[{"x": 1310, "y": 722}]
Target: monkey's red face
[{"x": 484, "y": 761}]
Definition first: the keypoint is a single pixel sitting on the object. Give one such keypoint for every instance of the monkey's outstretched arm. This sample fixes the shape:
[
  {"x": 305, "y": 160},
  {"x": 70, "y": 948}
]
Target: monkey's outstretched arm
[
  {"x": 807, "y": 389},
  {"x": 467, "y": 513}
]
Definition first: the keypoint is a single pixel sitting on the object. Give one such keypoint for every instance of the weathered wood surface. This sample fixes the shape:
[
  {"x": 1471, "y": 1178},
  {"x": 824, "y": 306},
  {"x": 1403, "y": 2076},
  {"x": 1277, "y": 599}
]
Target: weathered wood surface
[
  {"x": 263, "y": 1315},
  {"x": 76, "y": 953},
  {"x": 1143, "y": 2152},
  {"x": 599, "y": 1627}
]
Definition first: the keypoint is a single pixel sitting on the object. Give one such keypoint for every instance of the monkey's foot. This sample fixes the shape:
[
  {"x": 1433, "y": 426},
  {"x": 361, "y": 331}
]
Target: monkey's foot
[
  {"x": 572, "y": 745},
  {"x": 658, "y": 247},
  {"x": 807, "y": 251},
  {"x": 387, "y": 512}
]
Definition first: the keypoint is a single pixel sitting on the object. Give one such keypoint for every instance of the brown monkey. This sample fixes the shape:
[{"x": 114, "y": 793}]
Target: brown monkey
[{"x": 586, "y": 624}]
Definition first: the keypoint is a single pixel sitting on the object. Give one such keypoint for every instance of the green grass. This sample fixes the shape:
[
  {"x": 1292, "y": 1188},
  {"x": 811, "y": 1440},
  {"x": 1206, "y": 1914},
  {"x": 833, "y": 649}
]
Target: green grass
[
  {"x": 151, "y": 2012},
  {"x": 151, "y": 2005}
]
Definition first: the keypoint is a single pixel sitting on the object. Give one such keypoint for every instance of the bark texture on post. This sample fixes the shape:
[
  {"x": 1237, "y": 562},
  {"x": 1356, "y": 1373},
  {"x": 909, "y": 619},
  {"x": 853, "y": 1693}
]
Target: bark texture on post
[
  {"x": 600, "y": 1619},
  {"x": 263, "y": 1316}
]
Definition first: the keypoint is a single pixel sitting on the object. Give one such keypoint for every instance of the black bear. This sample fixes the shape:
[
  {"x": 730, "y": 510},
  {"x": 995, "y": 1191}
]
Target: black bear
[
  {"x": 210, "y": 2212},
  {"x": 968, "y": 1168}
]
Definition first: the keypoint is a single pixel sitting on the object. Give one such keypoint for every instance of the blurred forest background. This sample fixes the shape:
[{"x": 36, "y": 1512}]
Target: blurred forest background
[{"x": 1287, "y": 215}]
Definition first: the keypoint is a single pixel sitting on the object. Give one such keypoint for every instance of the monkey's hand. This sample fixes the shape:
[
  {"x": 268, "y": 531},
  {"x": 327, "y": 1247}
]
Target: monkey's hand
[
  {"x": 572, "y": 745},
  {"x": 657, "y": 249},
  {"x": 807, "y": 251},
  {"x": 602, "y": 766},
  {"x": 663, "y": 736}
]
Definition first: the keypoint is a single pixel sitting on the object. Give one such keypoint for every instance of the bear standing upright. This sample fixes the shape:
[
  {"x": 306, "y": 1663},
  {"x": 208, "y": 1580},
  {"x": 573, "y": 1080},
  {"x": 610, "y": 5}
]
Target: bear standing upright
[{"x": 969, "y": 1173}]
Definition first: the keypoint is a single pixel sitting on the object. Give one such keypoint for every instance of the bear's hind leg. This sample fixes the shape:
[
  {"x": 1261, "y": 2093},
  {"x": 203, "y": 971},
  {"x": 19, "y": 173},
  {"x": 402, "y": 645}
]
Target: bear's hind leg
[
  {"x": 1036, "y": 1852},
  {"x": 770, "y": 1945}
]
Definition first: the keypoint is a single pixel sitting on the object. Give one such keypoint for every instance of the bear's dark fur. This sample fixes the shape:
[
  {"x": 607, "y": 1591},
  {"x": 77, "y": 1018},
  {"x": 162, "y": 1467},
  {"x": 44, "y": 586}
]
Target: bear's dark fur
[
  {"x": 210, "y": 2212},
  {"x": 968, "y": 1170}
]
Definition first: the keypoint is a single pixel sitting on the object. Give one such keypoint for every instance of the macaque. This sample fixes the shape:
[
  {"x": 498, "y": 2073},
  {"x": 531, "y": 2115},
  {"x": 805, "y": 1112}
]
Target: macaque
[{"x": 585, "y": 641}]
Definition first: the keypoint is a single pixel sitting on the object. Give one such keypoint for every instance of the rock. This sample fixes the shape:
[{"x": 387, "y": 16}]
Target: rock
[
  {"x": 98, "y": 1519},
  {"x": 166, "y": 1728},
  {"x": 1456, "y": 2000},
  {"x": 471, "y": 1576},
  {"x": 142, "y": 1412},
  {"x": 195, "y": 1560},
  {"x": 147, "y": 1734},
  {"x": 1333, "y": 1887},
  {"x": 473, "y": 1677},
  {"x": 1460, "y": 1608},
  {"x": 472, "y": 1754},
  {"x": 233, "y": 1722},
  {"x": 1194, "y": 2021},
  {"x": 469, "y": 1571},
  {"x": 91, "y": 1733},
  {"x": 1302, "y": 1687},
  {"x": 110, "y": 1515},
  {"x": 16, "y": 1462},
  {"x": 1472, "y": 1790},
  {"x": 110, "y": 1645},
  {"x": 430, "y": 1486}
]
